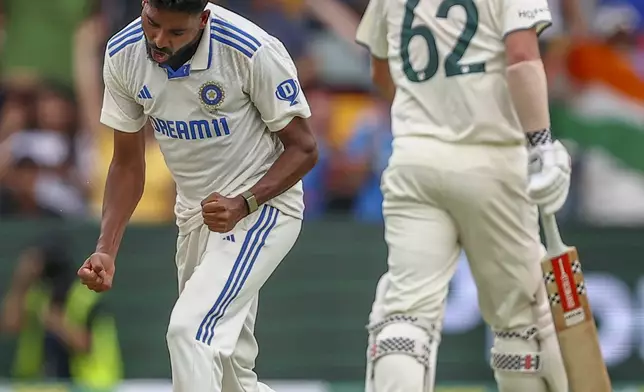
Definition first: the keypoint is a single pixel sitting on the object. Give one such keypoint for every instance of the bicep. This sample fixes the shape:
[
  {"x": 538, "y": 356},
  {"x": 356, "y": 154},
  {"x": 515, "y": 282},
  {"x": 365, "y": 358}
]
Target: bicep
[
  {"x": 298, "y": 134},
  {"x": 129, "y": 148},
  {"x": 522, "y": 45}
]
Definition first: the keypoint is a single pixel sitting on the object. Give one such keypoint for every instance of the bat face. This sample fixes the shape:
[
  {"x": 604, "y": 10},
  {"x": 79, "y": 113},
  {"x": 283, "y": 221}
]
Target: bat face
[
  {"x": 574, "y": 323},
  {"x": 566, "y": 290}
]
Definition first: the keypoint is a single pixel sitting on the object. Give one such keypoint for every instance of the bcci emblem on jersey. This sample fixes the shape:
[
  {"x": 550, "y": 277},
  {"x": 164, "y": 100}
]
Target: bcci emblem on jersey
[{"x": 211, "y": 95}]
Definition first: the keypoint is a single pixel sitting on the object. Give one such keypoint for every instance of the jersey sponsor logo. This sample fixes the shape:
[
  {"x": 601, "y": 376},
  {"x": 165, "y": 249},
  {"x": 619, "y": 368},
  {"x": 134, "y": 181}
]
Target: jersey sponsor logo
[
  {"x": 211, "y": 96},
  {"x": 288, "y": 91},
  {"x": 533, "y": 13},
  {"x": 191, "y": 130}
]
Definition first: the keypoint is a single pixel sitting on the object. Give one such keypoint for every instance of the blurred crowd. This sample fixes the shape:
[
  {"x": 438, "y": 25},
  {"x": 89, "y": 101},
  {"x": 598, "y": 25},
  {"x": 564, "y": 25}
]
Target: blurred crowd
[{"x": 54, "y": 154}]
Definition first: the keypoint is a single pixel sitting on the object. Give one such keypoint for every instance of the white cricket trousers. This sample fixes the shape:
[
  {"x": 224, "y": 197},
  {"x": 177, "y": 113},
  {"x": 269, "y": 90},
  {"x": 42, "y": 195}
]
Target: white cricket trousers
[
  {"x": 211, "y": 332},
  {"x": 441, "y": 198}
]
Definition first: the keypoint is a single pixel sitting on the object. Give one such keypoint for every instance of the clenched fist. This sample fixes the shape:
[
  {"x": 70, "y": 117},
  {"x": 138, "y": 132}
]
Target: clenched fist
[
  {"x": 97, "y": 272},
  {"x": 221, "y": 213}
]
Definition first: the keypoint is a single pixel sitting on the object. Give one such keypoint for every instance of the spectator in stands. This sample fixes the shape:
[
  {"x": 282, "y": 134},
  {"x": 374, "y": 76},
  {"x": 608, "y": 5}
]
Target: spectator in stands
[
  {"x": 637, "y": 7},
  {"x": 569, "y": 22},
  {"x": 285, "y": 20},
  {"x": 606, "y": 116},
  {"x": 118, "y": 14},
  {"x": 64, "y": 331},
  {"x": 368, "y": 153},
  {"x": 14, "y": 120},
  {"x": 49, "y": 44},
  {"x": 609, "y": 58},
  {"x": 15, "y": 116},
  {"x": 316, "y": 181},
  {"x": 44, "y": 155},
  {"x": 19, "y": 197}
]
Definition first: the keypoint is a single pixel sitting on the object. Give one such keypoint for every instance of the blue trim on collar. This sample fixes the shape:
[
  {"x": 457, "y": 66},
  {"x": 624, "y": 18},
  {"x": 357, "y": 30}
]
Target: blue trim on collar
[{"x": 182, "y": 72}]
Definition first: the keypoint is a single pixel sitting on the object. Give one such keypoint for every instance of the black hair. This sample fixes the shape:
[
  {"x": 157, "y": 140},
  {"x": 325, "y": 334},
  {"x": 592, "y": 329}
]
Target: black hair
[{"x": 188, "y": 6}]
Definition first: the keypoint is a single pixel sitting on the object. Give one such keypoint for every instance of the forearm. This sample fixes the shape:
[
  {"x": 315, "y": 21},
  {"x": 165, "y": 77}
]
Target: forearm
[
  {"x": 123, "y": 191},
  {"x": 527, "y": 82},
  {"x": 529, "y": 90},
  {"x": 287, "y": 170}
]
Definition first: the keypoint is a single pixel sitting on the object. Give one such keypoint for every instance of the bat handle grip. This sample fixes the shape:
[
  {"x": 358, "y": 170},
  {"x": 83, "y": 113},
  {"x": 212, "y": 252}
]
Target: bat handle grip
[{"x": 554, "y": 243}]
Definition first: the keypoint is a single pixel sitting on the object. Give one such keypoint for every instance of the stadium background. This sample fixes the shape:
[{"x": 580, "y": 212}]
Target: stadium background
[{"x": 54, "y": 157}]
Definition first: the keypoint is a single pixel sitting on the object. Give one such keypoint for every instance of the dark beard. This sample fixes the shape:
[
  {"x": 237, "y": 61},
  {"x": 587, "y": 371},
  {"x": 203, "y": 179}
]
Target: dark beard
[{"x": 178, "y": 58}]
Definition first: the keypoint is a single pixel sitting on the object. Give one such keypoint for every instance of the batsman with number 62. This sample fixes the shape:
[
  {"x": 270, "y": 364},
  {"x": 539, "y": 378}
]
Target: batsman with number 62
[{"x": 473, "y": 162}]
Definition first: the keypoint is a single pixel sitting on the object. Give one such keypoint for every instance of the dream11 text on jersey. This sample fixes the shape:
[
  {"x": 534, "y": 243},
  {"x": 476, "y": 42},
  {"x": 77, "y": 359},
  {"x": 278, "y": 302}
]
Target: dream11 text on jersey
[{"x": 191, "y": 130}]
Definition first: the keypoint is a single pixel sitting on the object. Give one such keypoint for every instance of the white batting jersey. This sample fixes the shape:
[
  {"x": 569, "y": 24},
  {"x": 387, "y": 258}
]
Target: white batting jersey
[
  {"x": 215, "y": 117},
  {"x": 447, "y": 60}
]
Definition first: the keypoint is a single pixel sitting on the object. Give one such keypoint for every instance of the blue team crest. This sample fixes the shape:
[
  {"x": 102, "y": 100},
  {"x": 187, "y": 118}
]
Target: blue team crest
[
  {"x": 288, "y": 91},
  {"x": 211, "y": 95}
]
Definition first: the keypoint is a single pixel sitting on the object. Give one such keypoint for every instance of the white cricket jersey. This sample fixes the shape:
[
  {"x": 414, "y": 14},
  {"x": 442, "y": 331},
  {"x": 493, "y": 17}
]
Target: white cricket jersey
[
  {"x": 215, "y": 117},
  {"x": 447, "y": 60}
]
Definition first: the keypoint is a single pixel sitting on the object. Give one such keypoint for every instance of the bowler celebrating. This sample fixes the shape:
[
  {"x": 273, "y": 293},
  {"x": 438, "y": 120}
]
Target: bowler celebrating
[{"x": 228, "y": 112}]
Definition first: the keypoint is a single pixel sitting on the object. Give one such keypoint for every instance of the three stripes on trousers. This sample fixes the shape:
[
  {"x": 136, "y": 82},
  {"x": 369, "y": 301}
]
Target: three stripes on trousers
[{"x": 253, "y": 243}]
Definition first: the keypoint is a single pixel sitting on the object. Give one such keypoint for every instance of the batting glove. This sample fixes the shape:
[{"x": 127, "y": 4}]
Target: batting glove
[{"x": 549, "y": 176}]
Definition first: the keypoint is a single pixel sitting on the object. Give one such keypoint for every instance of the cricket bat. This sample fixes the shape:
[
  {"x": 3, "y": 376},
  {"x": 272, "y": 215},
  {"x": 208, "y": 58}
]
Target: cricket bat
[{"x": 573, "y": 318}]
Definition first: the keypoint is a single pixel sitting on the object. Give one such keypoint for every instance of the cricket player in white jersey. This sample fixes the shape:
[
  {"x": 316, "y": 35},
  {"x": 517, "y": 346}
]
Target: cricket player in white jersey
[
  {"x": 469, "y": 95},
  {"x": 225, "y": 104}
]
